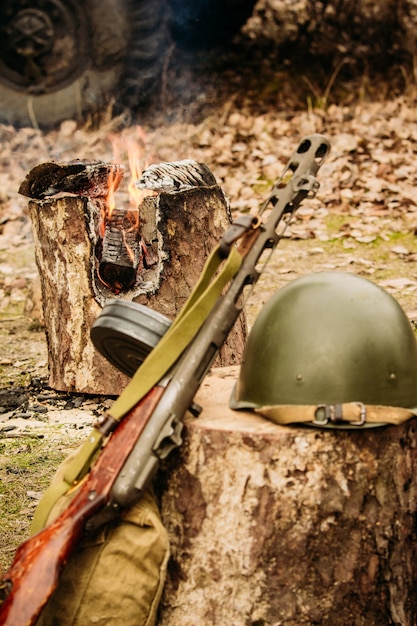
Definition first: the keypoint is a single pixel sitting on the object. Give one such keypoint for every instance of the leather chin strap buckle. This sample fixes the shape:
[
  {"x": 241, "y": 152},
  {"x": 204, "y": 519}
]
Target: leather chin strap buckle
[{"x": 340, "y": 413}]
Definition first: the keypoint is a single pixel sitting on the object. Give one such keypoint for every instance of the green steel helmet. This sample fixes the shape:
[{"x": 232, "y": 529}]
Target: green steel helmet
[{"x": 330, "y": 349}]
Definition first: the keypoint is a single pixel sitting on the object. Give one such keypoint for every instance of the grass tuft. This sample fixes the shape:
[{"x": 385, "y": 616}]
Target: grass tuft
[{"x": 26, "y": 468}]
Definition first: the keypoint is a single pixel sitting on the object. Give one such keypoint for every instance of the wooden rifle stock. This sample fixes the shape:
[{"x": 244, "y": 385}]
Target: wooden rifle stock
[{"x": 34, "y": 573}]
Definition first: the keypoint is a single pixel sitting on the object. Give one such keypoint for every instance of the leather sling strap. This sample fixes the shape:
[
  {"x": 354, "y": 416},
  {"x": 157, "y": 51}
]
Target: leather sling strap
[{"x": 158, "y": 362}]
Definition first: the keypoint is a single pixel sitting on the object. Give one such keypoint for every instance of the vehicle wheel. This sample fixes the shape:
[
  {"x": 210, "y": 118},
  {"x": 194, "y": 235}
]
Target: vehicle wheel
[
  {"x": 204, "y": 24},
  {"x": 60, "y": 59}
]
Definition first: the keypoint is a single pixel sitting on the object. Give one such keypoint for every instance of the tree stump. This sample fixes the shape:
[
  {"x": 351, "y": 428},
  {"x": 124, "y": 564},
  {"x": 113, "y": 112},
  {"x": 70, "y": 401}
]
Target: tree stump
[
  {"x": 81, "y": 268},
  {"x": 274, "y": 525}
]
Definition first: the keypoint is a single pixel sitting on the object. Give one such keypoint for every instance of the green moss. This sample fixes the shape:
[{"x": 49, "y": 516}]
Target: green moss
[
  {"x": 263, "y": 187},
  {"x": 13, "y": 310},
  {"x": 334, "y": 223}
]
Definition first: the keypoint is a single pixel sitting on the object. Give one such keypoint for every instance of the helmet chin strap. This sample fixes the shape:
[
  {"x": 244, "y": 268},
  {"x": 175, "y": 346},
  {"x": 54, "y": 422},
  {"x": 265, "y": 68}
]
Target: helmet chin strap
[{"x": 346, "y": 415}]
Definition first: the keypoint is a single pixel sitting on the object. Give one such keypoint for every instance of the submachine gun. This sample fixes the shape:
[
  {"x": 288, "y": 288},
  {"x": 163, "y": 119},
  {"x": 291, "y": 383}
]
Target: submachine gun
[{"x": 144, "y": 424}]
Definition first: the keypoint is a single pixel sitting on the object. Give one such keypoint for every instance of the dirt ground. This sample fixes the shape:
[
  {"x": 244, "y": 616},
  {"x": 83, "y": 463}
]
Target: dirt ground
[{"x": 244, "y": 124}]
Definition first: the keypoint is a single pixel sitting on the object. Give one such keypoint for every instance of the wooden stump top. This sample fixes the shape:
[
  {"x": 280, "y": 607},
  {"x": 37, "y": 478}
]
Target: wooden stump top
[{"x": 213, "y": 396}]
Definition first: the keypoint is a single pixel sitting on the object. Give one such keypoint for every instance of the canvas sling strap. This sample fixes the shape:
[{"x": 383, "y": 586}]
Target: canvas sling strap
[
  {"x": 158, "y": 362},
  {"x": 348, "y": 414}
]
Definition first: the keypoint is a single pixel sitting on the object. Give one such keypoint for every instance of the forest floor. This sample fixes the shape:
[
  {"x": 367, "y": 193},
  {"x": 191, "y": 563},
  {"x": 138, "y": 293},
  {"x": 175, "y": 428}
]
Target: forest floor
[{"x": 244, "y": 124}]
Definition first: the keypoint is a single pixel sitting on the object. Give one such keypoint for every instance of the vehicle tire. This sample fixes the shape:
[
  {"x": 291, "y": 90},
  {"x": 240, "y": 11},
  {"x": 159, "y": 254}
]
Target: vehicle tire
[
  {"x": 150, "y": 39},
  {"x": 204, "y": 24},
  {"x": 61, "y": 59}
]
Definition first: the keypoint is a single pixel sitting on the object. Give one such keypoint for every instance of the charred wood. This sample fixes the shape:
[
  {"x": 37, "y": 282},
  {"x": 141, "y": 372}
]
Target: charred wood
[
  {"x": 120, "y": 250},
  {"x": 175, "y": 176},
  {"x": 82, "y": 178}
]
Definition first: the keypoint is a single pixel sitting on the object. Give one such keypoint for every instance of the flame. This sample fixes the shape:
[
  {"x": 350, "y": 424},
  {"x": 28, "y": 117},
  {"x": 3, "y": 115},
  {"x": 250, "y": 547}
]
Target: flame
[
  {"x": 130, "y": 145},
  {"x": 112, "y": 184},
  {"x": 129, "y": 148},
  {"x": 128, "y": 248},
  {"x": 107, "y": 207},
  {"x": 135, "y": 158}
]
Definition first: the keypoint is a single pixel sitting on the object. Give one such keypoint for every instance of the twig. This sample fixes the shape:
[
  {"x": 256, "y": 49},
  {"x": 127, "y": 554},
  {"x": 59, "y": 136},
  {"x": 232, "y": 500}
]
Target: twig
[{"x": 7, "y": 435}]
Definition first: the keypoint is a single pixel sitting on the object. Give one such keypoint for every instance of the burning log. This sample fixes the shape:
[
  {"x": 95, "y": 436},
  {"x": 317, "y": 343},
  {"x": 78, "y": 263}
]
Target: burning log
[{"x": 90, "y": 252}]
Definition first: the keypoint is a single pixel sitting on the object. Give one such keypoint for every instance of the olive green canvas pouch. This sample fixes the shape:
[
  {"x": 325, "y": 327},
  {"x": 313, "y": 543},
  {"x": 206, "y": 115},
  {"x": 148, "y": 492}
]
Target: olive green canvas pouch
[{"x": 117, "y": 574}]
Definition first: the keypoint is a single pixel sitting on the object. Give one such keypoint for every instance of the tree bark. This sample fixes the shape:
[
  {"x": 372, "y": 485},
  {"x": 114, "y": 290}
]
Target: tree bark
[
  {"x": 274, "y": 525},
  {"x": 63, "y": 251},
  {"x": 178, "y": 232}
]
